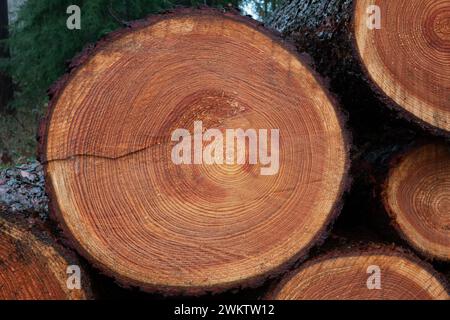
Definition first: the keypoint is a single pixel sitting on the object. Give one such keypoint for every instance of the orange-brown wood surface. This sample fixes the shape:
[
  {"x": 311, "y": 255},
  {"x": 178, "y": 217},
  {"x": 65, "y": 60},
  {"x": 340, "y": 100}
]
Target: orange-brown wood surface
[
  {"x": 408, "y": 58},
  {"x": 191, "y": 228},
  {"x": 347, "y": 276},
  {"x": 417, "y": 197},
  {"x": 32, "y": 268}
]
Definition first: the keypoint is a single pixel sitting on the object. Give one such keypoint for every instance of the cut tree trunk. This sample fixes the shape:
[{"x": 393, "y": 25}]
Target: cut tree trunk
[
  {"x": 405, "y": 61},
  {"x": 417, "y": 197},
  {"x": 33, "y": 267},
  {"x": 363, "y": 274},
  {"x": 146, "y": 221}
]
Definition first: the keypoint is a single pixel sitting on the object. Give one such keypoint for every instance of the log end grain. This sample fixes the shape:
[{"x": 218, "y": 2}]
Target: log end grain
[
  {"x": 147, "y": 222},
  {"x": 417, "y": 197},
  {"x": 346, "y": 275},
  {"x": 407, "y": 56}
]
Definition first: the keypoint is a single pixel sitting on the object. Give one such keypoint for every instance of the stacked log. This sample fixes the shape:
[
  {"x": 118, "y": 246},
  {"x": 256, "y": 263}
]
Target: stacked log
[
  {"x": 395, "y": 51},
  {"x": 148, "y": 182},
  {"x": 381, "y": 56},
  {"x": 416, "y": 195},
  {"x": 380, "y": 273},
  {"x": 194, "y": 224}
]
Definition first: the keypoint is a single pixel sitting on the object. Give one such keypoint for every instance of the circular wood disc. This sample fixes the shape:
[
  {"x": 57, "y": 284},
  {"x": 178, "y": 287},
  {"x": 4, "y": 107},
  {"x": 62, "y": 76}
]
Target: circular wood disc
[
  {"x": 32, "y": 269},
  {"x": 348, "y": 276},
  {"x": 408, "y": 58},
  {"x": 162, "y": 226},
  {"x": 417, "y": 196}
]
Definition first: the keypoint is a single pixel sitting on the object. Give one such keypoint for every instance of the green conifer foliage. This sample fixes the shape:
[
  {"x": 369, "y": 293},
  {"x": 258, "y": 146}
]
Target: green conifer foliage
[{"x": 41, "y": 45}]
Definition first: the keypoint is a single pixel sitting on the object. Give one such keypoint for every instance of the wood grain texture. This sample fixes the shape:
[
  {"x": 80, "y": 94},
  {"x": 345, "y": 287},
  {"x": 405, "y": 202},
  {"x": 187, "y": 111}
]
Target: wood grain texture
[
  {"x": 342, "y": 275},
  {"x": 33, "y": 268},
  {"x": 191, "y": 228},
  {"x": 409, "y": 57},
  {"x": 405, "y": 64},
  {"x": 417, "y": 197}
]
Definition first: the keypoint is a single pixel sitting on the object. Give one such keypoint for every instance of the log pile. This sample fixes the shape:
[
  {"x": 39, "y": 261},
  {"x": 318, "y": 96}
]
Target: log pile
[
  {"x": 148, "y": 151},
  {"x": 192, "y": 226}
]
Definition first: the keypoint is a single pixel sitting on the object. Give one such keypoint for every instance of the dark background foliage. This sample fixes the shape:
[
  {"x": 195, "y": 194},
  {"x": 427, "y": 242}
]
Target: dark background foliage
[{"x": 40, "y": 45}]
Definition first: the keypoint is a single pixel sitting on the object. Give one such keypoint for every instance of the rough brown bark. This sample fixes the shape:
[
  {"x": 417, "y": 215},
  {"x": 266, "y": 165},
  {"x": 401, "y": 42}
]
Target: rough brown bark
[
  {"x": 324, "y": 30},
  {"x": 127, "y": 150}
]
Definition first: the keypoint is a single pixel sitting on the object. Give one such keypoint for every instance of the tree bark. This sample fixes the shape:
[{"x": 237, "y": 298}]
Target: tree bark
[
  {"x": 146, "y": 221},
  {"x": 34, "y": 267},
  {"x": 373, "y": 273},
  {"x": 22, "y": 190},
  {"x": 416, "y": 194},
  {"x": 393, "y": 62}
]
